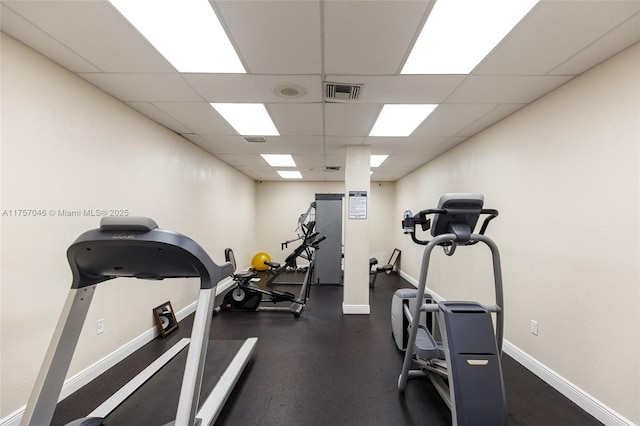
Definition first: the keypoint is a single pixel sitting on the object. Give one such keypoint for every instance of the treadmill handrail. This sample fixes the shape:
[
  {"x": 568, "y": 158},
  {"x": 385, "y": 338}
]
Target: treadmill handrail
[{"x": 99, "y": 255}]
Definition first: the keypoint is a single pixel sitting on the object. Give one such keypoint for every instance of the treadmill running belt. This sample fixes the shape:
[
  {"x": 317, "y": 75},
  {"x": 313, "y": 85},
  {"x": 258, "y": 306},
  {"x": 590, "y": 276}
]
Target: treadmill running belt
[{"x": 156, "y": 402}]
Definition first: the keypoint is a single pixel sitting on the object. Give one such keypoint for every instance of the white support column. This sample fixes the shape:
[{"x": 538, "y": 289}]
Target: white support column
[{"x": 356, "y": 230}]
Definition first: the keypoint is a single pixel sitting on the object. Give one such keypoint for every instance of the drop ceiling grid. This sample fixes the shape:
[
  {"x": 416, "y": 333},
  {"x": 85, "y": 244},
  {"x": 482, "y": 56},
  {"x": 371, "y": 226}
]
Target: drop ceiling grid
[
  {"x": 616, "y": 40},
  {"x": 83, "y": 27},
  {"x": 353, "y": 119},
  {"x": 448, "y": 119},
  {"x": 252, "y": 88},
  {"x": 150, "y": 110},
  {"x": 14, "y": 24},
  {"x": 410, "y": 89},
  {"x": 144, "y": 87},
  {"x": 299, "y": 145},
  {"x": 506, "y": 89},
  {"x": 297, "y": 119},
  {"x": 199, "y": 117},
  {"x": 365, "y": 42}
]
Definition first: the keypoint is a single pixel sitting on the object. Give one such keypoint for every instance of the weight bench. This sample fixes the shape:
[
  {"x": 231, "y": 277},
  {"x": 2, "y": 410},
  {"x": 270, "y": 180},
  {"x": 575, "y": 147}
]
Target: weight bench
[{"x": 374, "y": 271}]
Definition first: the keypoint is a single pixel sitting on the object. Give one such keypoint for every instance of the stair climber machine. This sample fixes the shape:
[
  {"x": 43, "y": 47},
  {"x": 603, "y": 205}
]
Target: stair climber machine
[
  {"x": 461, "y": 356},
  {"x": 249, "y": 297},
  {"x": 134, "y": 247}
]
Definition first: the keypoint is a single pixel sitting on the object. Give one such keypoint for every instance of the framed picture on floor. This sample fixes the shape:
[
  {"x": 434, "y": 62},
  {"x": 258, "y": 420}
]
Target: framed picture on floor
[
  {"x": 165, "y": 318},
  {"x": 395, "y": 256}
]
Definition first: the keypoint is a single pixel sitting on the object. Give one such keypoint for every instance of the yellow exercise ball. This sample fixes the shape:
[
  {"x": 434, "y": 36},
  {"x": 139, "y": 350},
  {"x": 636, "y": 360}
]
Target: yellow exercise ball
[{"x": 257, "y": 263}]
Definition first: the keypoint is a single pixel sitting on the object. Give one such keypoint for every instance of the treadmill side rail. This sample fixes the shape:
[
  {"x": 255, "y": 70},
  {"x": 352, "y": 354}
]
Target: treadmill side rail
[{"x": 44, "y": 397}]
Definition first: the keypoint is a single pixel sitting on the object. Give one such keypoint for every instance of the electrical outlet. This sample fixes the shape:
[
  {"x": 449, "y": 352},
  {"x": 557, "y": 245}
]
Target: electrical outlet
[
  {"x": 100, "y": 326},
  {"x": 534, "y": 327}
]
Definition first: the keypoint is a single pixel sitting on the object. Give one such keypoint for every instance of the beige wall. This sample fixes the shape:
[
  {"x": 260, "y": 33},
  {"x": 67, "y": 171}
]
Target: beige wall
[
  {"x": 67, "y": 145},
  {"x": 564, "y": 174},
  {"x": 279, "y": 204}
]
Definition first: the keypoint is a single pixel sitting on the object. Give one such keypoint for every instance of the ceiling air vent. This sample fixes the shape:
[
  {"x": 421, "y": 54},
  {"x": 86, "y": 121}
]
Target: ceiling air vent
[
  {"x": 255, "y": 139},
  {"x": 340, "y": 92}
]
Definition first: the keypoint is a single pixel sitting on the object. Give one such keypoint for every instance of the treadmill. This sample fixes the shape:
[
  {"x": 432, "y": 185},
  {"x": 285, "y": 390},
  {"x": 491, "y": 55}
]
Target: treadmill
[{"x": 135, "y": 247}]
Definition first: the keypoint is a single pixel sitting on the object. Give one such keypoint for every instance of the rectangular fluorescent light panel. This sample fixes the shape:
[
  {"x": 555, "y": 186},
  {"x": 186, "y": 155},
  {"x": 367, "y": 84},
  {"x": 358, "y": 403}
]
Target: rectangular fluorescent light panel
[
  {"x": 377, "y": 160},
  {"x": 400, "y": 119},
  {"x": 289, "y": 174},
  {"x": 459, "y": 34},
  {"x": 247, "y": 119},
  {"x": 279, "y": 160},
  {"x": 186, "y": 32}
]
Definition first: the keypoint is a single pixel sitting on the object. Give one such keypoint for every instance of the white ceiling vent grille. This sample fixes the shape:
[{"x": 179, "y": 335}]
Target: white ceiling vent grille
[
  {"x": 255, "y": 139},
  {"x": 340, "y": 92}
]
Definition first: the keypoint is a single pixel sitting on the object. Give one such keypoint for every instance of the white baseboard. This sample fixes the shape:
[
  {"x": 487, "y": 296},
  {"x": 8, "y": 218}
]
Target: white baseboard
[
  {"x": 579, "y": 397},
  {"x": 407, "y": 277},
  {"x": 356, "y": 309},
  {"x": 74, "y": 383}
]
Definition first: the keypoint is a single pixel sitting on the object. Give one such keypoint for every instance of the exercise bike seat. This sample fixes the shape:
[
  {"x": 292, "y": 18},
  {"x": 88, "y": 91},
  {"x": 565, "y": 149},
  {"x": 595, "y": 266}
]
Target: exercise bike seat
[
  {"x": 244, "y": 275},
  {"x": 272, "y": 265},
  {"x": 385, "y": 268}
]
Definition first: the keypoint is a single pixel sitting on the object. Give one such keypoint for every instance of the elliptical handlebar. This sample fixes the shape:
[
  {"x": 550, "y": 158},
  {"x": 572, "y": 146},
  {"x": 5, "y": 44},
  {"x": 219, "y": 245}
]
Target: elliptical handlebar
[
  {"x": 316, "y": 241},
  {"x": 425, "y": 222}
]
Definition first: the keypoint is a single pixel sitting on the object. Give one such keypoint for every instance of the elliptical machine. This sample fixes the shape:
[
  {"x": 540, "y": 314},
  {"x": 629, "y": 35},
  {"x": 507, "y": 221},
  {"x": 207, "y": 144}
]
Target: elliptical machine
[
  {"x": 248, "y": 297},
  {"x": 463, "y": 363}
]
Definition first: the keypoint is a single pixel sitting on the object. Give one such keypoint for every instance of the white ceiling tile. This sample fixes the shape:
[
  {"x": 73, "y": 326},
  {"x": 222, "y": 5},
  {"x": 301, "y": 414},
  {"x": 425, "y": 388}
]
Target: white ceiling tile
[
  {"x": 553, "y": 31},
  {"x": 226, "y": 144},
  {"x": 335, "y": 160},
  {"x": 312, "y": 145},
  {"x": 306, "y": 162},
  {"x": 447, "y": 145},
  {"x": 492, "y": 117},
  {"x": 448, "y": 119},
  {"x": 383, "y": 144},
  {"x": 350, "y": 119},
  {"x": 411, "y": 160},
  {"x": 95, "y": 31},
  {"x": 243, "y": 160},
  {"x": 335, "y": 145},
  {"x": 19, "y": 28},
  {"x": 616, "y": 40},
  {"x": 488, "y": 89},
  {"x": 253, "y": 88},
  {"x": 297, "y": 118},
  {"x": 391, "y": 174},
  {"x": 260, "y": 173},
  {"x": 420, "y": 146},
  {"x": 158, "y": 116},
  {"x": 198, "y": 117},
  {"x": 143, "y": 87},
  {"x": 369, "y": 37},
  {"x": 275, "y": 37}
]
